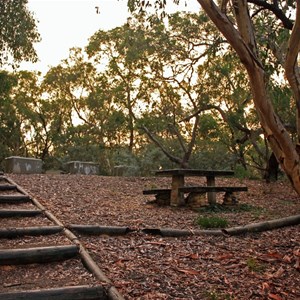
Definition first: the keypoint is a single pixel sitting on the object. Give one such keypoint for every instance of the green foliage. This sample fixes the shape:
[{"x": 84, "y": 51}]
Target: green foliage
[
  {"x": 18, "y": 32},
  {"x": 151, "y": 159},
  {"x": 255, "y": 266},
  {"x": 211, "y": 155},
  {"x": 211, "y": 222},
  {"x": 126, "y": 159},
  {"x": 242, "y": 173},
  {"x": 10, "y": 131},
  {"x": 215, "y": 295}
]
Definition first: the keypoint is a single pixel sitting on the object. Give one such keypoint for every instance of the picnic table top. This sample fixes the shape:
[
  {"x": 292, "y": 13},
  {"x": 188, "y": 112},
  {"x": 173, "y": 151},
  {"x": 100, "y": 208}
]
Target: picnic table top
[{"x": 194, "y": 172}]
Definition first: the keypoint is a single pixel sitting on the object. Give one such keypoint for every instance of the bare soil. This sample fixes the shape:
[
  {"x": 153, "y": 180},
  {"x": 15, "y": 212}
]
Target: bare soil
[{"x": 255, "y": 266}]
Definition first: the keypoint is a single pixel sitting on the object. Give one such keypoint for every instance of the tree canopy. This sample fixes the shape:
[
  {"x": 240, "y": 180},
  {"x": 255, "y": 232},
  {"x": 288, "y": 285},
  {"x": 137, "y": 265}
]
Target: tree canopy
[
  {"x": 18, "y": 32},
  {"x": 151, "y": 87}
]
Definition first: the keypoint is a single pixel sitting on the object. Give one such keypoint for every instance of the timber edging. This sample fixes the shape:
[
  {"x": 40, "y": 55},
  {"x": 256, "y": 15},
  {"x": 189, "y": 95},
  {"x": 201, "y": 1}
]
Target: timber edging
[{"x": 63, "y": 293}]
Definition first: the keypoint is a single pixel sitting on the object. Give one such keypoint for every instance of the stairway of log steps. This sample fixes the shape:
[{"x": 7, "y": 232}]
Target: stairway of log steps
[{"x": 49, "y": 245}]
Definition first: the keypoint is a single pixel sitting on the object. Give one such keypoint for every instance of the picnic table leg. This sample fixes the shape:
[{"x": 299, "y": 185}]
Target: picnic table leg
[
  {"x": 177, "y": 198},
  {"x": 211, "y": 196}
]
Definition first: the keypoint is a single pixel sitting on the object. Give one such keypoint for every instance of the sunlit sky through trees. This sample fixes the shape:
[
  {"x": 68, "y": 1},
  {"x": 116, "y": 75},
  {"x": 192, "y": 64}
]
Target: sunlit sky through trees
[{"x": 69, "y": 23}]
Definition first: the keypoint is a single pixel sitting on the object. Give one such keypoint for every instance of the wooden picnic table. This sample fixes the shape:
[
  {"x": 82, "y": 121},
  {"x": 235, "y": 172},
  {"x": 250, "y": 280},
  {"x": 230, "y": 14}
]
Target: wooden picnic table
[{"x": 178, "y": 176}]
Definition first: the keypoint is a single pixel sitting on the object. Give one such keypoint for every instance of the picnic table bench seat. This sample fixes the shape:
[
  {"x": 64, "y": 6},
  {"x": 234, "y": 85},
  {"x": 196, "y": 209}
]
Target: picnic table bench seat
[
  {"x": 163, "y": 195},
  {"x": 205, "y": 189},
  {"x": 156, "y": 191}
]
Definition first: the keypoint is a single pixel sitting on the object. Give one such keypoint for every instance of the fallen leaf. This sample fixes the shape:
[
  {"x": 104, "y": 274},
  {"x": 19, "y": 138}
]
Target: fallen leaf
[
  {"x": 156, "y": 243},
  {"x": 297, "y": 264},
  {"x": 278, "y": 273},
  {"x": 7, "y": 268},
  {"x": 274, "y": 297},
  {"x": 225, "y": 256},
  {"x": 287, "y": 259},
  {"x": 297, "y": 252},
  {"x": 265, "y": 287},
  {"x": 189, "y": 272},
  {"x": 193, "y": 256}
]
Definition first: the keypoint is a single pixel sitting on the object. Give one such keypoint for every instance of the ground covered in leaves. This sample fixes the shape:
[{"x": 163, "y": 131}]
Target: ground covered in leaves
[{"x": 255, "y": 266}]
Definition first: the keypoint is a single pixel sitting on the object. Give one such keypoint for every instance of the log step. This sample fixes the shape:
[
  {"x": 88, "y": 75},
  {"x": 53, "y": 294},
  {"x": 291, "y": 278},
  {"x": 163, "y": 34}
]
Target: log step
[
  {"x": 11, "y": 213},
  {"x": 29, "y": 231},
  {"x": 7, "y": 187},
  {"x": 98, "y": 230},
  {"x": 14, "y": 198},
  {"x": 37, "y": 255},
  {"x": 65, "y": 293}
]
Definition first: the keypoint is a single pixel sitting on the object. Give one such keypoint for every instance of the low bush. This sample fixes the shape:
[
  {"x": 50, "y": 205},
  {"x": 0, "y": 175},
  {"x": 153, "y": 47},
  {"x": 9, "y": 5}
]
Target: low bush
[{"x": 211, "y": 222}]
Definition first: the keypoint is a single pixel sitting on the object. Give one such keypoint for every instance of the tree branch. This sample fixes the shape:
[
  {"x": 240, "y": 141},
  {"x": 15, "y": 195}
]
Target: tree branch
[
  {"x": 286, "y": 22},
  {"x": 159, "y": 145},
  {"x": 291, "y": 66}
]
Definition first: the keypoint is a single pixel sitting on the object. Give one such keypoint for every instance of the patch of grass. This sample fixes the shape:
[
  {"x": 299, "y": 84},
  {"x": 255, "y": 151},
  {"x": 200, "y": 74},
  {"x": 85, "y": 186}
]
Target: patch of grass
[
  {"x": 214, "y": 295},
  {"x": 211, "y": 222},
  {"x": 286, "y": 202},
  {"x": 255, "y": 266}
]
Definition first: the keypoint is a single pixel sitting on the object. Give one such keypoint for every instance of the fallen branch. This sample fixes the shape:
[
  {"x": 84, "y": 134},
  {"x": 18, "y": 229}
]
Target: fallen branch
[
  {"x": 263, "y": 226},
  {"x": 250, "y": 228}
]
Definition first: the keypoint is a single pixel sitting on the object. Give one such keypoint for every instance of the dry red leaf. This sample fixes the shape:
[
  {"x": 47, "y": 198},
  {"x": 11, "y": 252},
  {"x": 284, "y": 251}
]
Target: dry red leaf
[
  {"x": 278, "y": 273},
  {"x": 297, "y": 264},
  {"x": 225, "y": 256},
  {"x": 189, "y": 272},
  {"x": 274, "y": 297}
]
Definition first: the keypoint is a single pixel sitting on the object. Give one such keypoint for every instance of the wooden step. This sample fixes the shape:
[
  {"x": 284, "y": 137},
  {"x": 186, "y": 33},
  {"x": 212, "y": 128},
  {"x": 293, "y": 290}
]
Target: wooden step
[
  {"x": 14, "y": 198},
  {"x": 83, "y": 292},
  {"x": 98, "y": 230},
  {"x": 7, "y": 187},
  {"x": 37, "y": 255},
  {"x": 12, "y": 213},
  {"x": 29, "y": 231}
]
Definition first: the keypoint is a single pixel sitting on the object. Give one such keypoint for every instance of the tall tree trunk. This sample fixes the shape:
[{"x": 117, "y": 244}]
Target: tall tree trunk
[{"x": 243, "y": 41}]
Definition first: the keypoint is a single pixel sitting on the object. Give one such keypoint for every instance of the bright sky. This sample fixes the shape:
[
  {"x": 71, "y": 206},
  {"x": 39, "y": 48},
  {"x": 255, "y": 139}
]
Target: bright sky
[{"x": 64, "y": 24}]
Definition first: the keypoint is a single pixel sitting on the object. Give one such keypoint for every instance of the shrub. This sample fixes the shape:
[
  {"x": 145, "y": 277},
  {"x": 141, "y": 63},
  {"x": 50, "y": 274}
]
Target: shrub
[{"x": 211, "y": 222}]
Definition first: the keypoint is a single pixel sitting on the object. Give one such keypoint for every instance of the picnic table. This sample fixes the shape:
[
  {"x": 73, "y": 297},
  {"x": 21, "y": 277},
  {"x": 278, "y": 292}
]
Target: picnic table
[{"x": 178, "y": 188}]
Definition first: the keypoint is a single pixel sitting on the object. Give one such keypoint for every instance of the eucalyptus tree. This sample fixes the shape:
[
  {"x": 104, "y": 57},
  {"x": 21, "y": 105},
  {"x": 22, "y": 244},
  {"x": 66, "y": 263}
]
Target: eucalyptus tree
[
  {"x": 85, "y": 113},
  {"x": 194, "y": 63},
  {"x": 35, "y": 114},
  {"x": 235, "y": 20},
  {"x": 241, "y": 33},
  {"x": 10, "y": 133},
  {"x": 18, "y": 32},
  {"x": 123, "y": 53},
  {"x": 66, "y": 87}
]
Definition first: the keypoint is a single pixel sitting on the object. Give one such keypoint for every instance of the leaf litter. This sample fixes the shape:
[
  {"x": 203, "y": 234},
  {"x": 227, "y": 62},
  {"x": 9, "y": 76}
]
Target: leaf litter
[{"x": 254, "y": 266}]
